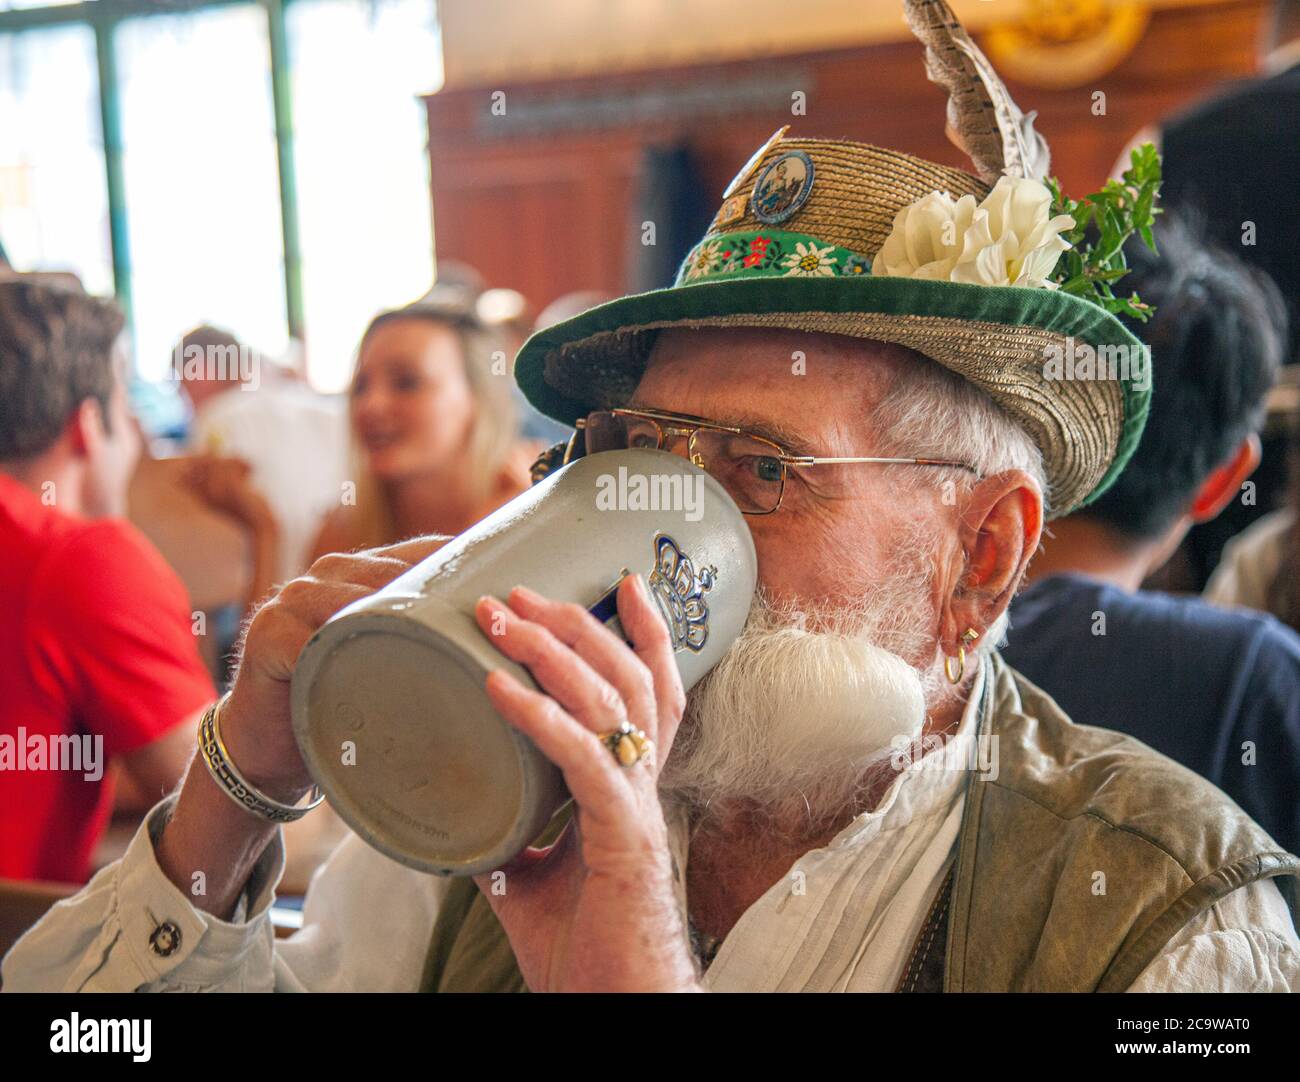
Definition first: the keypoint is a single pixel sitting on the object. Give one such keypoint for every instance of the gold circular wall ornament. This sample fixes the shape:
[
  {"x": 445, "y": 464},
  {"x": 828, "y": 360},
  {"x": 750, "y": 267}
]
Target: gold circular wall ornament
[{"x": 1067, "y": 43}]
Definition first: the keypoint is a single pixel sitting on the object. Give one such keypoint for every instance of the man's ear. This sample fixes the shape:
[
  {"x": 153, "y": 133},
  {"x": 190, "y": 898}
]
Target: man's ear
[
  {"x": 85, "y": 428},
  {"x": 1219, "y": 489},
  {"x": 999, "y": 532}
]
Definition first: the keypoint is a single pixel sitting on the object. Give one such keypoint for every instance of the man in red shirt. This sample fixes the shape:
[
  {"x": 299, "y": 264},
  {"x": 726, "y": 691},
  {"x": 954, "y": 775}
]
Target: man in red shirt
[{"x": 97, "y": 658}]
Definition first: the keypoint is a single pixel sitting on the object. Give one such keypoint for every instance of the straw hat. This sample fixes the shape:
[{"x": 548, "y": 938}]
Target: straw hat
[{"x": 840, "y": 238}]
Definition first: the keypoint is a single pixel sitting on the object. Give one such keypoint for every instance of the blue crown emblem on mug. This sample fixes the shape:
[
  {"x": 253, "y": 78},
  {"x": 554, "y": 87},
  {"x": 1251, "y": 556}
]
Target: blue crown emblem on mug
[{"x": 680, "y": 589}]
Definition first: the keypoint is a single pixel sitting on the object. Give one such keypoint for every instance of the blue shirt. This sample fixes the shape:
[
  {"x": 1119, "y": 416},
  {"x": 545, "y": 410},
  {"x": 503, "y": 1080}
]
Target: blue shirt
[{"x": 1217, "y": 690}]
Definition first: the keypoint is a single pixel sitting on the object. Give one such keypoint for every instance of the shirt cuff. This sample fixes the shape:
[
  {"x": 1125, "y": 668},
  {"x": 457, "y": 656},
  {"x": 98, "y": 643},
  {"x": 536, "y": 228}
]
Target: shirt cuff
[{"x": 161, "y": 927}]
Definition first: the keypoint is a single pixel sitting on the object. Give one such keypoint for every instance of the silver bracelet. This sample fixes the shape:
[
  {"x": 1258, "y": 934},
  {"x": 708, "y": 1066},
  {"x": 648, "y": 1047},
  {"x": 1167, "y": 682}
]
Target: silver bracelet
[{"x": 232, "y": 782}]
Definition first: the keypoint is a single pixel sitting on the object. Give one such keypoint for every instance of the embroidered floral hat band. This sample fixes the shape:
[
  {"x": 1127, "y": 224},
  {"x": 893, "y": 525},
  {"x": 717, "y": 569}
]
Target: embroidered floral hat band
[{"x": 848, "y": 238}]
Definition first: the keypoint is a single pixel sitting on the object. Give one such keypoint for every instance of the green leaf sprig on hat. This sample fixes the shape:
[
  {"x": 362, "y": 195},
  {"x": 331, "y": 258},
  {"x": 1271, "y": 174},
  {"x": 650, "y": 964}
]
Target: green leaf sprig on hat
[{"x": 1093, "y": 265}]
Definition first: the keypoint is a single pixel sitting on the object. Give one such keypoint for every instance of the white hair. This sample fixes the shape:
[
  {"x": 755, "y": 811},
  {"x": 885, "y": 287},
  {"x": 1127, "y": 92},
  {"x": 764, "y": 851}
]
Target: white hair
[
  {"x": 931, "y": 412},
  {"x": 799, "y": 719},
  {"x": 801, "y": 715}
]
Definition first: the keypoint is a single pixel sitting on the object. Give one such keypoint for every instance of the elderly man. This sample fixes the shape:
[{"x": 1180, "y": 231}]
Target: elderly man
[{"x": 876, "y": 400}]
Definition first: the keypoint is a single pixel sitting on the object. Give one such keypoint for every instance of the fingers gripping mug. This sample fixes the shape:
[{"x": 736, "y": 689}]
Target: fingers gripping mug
[{"x": 389, "y": 705}]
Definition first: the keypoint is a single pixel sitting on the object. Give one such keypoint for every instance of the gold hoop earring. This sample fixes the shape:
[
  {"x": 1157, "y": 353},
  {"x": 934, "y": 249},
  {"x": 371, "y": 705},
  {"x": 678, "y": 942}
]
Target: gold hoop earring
[{"x": 969, "y": 636}]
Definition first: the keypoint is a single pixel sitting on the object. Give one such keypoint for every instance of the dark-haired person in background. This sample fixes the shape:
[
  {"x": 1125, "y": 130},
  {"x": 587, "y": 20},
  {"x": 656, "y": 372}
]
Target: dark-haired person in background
[
  {"x": 1260, "y": 568},
  {"x": 97, "y": 659},
  {"x": 1218, "y": 691},
  {"x": 1249, "y": 210}
]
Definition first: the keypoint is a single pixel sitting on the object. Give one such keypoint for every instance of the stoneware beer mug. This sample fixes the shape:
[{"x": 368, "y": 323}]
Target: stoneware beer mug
[{"x": 389, "y": 705}]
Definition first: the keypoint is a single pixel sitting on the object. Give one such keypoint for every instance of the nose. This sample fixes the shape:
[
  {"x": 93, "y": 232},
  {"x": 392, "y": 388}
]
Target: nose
[{"x": 368, "y": 403}]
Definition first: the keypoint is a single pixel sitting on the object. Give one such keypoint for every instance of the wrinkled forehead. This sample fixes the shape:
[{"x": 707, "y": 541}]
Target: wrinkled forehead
[{"x": 802, "y": 384}]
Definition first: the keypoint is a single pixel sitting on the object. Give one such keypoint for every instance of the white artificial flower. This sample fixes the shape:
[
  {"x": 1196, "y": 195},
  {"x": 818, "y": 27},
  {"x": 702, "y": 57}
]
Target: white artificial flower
[
  {"x": 704, "y": 260},
  {"x": 1009, "y": 239},
  {"x": 809, "y": 261}
]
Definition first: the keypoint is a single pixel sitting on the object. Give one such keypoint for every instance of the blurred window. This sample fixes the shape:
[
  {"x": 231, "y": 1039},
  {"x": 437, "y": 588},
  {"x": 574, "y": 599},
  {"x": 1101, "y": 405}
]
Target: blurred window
[
  {"x": 202, "y": 200},
  {"x": 203, "y": 204},
  {"x": 19, "y": 5},
  {"x": 53, "y": 198},
  {"x": 360, "y": 141}
]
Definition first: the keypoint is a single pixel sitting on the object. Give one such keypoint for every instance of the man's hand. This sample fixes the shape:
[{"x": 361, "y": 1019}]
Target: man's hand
[
  {"x": 255, "y": 723},
  {"x": 597, "y": 910},
  {"x": 208, "y": 832}
]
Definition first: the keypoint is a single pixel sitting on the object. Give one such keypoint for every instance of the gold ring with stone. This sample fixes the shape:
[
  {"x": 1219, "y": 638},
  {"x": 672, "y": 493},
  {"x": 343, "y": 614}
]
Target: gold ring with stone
[{"x": 628, "y": 744}]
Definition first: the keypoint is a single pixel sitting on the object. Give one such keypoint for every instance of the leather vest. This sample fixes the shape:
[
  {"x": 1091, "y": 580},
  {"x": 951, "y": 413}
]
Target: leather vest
[{"x": 1075, "y": 866}]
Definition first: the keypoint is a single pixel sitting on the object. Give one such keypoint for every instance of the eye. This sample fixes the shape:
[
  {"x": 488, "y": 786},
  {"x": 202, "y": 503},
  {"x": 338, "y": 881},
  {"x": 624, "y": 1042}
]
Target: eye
[
  {"x": 767, "y": 468},
  {"x": 642, "y": 439}
]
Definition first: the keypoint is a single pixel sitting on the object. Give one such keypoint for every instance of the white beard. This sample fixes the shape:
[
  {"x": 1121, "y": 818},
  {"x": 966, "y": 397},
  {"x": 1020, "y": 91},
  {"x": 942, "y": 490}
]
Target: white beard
[{"x": 793, "y": 723}]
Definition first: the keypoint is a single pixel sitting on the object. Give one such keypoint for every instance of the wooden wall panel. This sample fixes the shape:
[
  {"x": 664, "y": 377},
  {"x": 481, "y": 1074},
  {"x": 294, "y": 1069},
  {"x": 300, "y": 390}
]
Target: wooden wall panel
[
  {"x": 544, "y": 220},
  {"x": 545, "y": 207}
]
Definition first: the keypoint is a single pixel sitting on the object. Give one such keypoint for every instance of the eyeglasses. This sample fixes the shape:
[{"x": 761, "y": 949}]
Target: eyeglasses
[{"x": 752, "y": 468}]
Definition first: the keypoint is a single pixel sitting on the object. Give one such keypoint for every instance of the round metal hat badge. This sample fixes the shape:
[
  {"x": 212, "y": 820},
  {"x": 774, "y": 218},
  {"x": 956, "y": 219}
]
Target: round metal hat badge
[{"x": 782, "y": 188}]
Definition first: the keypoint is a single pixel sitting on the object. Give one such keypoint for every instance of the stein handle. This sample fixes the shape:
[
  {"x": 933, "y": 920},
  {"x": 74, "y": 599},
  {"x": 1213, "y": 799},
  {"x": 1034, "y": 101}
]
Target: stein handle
[{"x": 606, "y": 606}]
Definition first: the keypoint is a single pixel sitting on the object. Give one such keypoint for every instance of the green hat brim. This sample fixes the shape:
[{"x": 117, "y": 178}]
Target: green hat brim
[{"x": 987, "y": 334}]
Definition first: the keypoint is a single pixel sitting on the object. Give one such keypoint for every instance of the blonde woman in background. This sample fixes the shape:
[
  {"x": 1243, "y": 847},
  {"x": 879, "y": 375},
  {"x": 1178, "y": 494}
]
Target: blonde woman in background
[
  {"x": 434, "y": 449},
  {"x": 433, "y": 425}
]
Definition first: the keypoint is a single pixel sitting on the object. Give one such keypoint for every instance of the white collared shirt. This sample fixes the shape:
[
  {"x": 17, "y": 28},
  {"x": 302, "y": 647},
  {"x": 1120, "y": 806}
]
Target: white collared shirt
[{"x": 843, "y": 919}]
